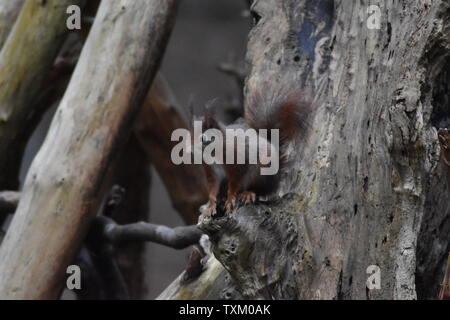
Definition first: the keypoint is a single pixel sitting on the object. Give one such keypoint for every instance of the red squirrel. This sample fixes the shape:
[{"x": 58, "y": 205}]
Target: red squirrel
[{"x": 244, "y": 182}]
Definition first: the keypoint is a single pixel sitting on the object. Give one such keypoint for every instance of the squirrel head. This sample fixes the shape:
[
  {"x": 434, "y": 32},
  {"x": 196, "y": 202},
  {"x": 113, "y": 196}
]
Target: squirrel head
[{"x": 207, "y": 121}]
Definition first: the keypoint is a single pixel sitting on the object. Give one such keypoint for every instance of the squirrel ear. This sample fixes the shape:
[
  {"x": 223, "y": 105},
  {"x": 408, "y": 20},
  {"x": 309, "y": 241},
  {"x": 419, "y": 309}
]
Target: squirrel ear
[
  {"x": 190, "y": 111},
  {"x": 209, "y": 120}
]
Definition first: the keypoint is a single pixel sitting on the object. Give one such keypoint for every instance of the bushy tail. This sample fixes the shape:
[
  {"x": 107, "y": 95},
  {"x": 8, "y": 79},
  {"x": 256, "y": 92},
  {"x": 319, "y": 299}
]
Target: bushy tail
[{"x": 288, "y": 113}]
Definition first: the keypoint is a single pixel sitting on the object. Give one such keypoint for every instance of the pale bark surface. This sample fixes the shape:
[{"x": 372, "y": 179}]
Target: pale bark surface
[
  {"x": 64, "y": 184},
  {"x": 213, "y": 284}
]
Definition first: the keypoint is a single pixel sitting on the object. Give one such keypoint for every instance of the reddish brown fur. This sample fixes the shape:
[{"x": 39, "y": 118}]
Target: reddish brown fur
[{"x": 290, "y": 116}]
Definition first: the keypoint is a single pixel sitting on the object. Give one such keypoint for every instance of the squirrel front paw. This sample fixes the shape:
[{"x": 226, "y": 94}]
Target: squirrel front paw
[
  {"x": 230, "y": 204},
  {"x": 209, "y": 209},
  {"x": 247, "y": 197}
]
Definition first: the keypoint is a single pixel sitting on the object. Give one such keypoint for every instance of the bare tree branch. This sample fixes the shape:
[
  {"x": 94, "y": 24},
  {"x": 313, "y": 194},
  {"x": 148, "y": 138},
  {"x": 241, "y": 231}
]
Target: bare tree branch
[
  {"x": 177, "y": 238},
  {"x": 105, "y": 236},
  {"x": 8, "y": 204},
  {"x": 9, "y": 201}
]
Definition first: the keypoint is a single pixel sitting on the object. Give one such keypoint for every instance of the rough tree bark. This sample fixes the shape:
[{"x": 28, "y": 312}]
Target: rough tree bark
[
  {"x": 64, "y": 184},
  {"x": 367, "y": 188}
]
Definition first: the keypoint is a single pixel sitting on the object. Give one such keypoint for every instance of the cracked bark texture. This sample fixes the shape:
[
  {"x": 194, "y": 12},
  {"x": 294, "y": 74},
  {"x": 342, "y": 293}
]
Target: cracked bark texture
[{"x": 367, "y": 188}]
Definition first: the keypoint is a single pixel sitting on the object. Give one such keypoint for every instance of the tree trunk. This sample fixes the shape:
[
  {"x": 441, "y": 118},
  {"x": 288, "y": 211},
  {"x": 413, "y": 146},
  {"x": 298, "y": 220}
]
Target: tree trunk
[
  {"x": 213, "y": 284},
  {"x": 63, "y": 188},
  {"x": 367, "y": 187},
  {"x": 40, "y": 29}
]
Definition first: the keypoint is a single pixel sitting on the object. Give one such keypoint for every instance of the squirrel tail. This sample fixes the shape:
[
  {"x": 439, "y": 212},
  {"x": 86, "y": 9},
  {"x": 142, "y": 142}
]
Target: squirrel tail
[{"x": 288, "y": 113}]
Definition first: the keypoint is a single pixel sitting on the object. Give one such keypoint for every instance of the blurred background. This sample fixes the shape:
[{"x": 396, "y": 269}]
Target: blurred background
[{"x": 206, "y": 34}]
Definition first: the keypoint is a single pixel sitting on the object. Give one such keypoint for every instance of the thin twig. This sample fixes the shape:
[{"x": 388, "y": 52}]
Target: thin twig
[{"x": 177, "y": 238}]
